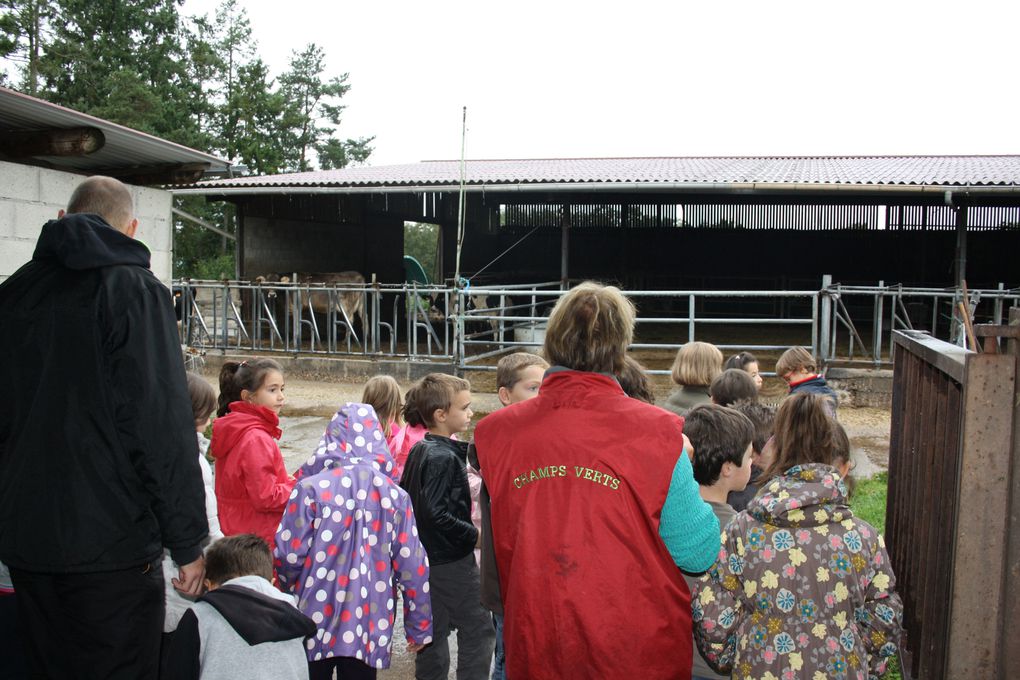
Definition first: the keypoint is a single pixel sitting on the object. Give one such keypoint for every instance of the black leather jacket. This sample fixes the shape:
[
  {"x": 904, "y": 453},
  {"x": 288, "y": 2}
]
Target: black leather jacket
[{"x": 435, "y": 477}]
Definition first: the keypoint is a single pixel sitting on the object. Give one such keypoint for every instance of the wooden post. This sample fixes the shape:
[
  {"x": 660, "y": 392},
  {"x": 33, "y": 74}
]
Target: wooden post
[{"x": 1009, "y": 659}]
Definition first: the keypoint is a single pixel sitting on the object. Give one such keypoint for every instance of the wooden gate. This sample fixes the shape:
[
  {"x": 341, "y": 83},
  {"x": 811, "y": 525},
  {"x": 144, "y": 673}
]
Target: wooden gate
[{"x": 953, "y": 514}]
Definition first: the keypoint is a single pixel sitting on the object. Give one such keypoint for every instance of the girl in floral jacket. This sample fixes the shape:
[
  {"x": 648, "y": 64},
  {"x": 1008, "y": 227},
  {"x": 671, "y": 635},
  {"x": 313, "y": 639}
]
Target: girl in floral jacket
[
  {"x": 801, "y": 587},
  {"x": 348, "y": 538}
]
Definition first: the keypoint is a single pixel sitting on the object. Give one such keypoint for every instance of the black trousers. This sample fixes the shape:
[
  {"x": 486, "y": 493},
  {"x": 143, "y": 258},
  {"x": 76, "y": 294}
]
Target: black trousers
[
  {"x": 102, "y": 625},
  {"x": 347, "y": 668}
]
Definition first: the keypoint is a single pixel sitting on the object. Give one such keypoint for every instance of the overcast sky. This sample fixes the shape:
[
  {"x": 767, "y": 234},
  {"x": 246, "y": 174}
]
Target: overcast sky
[{"x": 589, "y": 79}]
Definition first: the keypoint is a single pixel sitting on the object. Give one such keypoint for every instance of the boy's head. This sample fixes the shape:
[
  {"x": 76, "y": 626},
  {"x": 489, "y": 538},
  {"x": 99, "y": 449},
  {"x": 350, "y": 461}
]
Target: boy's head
[
  {"x": 732, "y": 385},
  {"x": 795, "y": 362},
  {"x": 234, "y": 556},
  {"x": 634, "y": 381},
  {"x": 518, "y": 377},
  {"x": 590, "y": 329},
  {"x": 762, "y": 418},
  {"x": 440, "y": 403},
  {"x": 722, "y": 446}
]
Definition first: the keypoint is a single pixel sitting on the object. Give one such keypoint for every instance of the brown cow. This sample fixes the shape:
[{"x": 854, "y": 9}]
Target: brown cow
[{"x": 351, "y": 300}]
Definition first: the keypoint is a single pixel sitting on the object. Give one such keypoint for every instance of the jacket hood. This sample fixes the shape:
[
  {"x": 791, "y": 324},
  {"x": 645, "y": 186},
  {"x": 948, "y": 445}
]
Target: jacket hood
[
  {"x": 353, "y": 437},
  {"x": 86, "y": 241},
  {"x": 257, "y": 615},
  {"x": 229, "y": 429},
  {"x": 803, "y": 496}
]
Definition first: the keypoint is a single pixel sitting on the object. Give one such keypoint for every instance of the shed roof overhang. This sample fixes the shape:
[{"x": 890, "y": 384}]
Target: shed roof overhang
[{"x": 37, "y": 132}]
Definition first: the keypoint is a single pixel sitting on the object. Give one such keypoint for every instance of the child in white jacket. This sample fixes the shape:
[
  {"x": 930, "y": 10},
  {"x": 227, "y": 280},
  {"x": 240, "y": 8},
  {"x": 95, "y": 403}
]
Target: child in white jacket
[{"x": 203, "y": 403}]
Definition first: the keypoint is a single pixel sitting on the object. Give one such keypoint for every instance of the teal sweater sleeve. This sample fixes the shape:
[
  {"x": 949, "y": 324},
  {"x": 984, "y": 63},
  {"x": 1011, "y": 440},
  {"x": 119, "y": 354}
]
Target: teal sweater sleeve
[{"x": 688, "y": 526}]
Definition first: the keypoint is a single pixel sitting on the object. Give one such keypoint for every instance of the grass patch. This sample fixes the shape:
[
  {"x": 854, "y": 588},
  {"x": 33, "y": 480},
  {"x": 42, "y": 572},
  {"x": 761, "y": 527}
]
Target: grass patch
[{"x": 868, "y": 500}]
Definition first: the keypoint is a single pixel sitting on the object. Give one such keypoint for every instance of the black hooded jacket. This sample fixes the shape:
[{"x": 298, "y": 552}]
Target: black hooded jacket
[{"x": 98, "y": 454}]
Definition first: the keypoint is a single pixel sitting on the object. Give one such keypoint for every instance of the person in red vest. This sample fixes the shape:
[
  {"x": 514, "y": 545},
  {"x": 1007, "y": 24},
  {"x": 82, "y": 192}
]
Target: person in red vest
[{"x": 594, "y": 511}]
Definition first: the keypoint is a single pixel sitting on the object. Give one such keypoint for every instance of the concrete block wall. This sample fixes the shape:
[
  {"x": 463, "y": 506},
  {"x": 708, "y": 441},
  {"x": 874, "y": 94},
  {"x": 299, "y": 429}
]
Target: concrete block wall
[{"x": 31, "y": 196}]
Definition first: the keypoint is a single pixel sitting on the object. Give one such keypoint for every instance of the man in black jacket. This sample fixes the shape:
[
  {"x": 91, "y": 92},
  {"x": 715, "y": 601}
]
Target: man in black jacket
[{"x": 98, "y": 456}]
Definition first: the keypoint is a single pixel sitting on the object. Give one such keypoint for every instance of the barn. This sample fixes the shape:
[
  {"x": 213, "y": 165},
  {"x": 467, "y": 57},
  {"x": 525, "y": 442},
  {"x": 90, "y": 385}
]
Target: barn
[{"x": 647, "y": 223}]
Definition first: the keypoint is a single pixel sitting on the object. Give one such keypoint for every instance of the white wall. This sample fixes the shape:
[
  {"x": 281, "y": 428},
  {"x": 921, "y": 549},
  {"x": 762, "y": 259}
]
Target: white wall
[{"x": 30, "y": 196}]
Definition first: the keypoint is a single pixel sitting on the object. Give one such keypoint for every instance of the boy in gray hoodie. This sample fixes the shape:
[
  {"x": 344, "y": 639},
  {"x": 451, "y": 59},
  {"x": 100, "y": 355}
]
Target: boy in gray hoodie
[{"x": 243, "y": 627}]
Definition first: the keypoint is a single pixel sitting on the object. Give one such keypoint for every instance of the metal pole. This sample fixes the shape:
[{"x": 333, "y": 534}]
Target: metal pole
[
  {"x": 825, "y": 319},
  {"x": 877, "y": 325},
  {"x": 565, "y": 247},
  {"x": 961, "y": 245},
  {"x": 690, "y": 318}
]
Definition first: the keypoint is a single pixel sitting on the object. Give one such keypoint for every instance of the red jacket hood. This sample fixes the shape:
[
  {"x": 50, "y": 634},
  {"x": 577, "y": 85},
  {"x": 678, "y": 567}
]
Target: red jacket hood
[{"x": 229, "y": 429}]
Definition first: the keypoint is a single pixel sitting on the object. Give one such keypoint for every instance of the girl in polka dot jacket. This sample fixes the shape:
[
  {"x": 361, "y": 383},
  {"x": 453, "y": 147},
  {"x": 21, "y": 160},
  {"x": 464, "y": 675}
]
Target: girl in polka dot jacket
[{"x": 347, "y": 540}]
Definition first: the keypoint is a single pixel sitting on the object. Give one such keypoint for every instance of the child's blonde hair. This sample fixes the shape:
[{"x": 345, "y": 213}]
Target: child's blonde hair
[
  {"x": 697, "y": 364},
  {"x": 382, "y": 392},
  {"x": 510, "y": 368},
  {"x": 795, "y": 359},
  {"x": 434, "y": 391}
]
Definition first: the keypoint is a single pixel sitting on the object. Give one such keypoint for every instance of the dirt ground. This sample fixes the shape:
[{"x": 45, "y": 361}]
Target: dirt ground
[{"x": 310, "y": 404}]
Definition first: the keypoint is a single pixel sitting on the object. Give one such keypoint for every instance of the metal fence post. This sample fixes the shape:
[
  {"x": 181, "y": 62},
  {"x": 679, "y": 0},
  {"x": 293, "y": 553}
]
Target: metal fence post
[
  {"x": 825, "y": 319},
  {"x": 876, "y": 325}
]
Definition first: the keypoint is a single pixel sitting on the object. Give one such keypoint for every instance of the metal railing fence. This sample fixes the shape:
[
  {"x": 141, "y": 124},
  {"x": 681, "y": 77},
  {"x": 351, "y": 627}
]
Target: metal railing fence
[{"x": 471, "y": 326}]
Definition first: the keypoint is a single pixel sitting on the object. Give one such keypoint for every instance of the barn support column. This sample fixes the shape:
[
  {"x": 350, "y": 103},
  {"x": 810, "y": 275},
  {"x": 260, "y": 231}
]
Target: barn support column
[
  {"x": 960, "y": 267},
  {"x": 565, "y": 247}
]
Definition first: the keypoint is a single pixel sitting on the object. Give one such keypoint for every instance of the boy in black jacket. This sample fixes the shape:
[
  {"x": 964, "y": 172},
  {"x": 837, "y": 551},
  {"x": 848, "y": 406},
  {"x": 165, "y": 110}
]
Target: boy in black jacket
[{"x": 435, "y": 477}]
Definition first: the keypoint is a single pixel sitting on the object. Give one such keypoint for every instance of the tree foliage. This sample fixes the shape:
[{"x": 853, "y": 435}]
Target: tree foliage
[{"x": 194, "y": 80}]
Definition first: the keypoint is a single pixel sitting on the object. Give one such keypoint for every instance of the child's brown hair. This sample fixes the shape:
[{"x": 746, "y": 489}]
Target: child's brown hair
[
  {"x": 719, "y": 435},
  {"x": 740, "y": 360},
  {"x": 236, "y": 376},
  {"x": 382, "y": 392},
  {"x": 239, "y": 555},
  {"x": 732, "y": 385},
  {"x": 203, "y": 397},
  {"x": 795, "y": 359},
  {"x": 434, "y": 391},
  {"x": 762, "y": 417},
  {"x": 510, "y": 367},
  {"x": 804, "y": 434},
  {"x": 697, "y": 364},
  {"x": 634, "y": 380}
]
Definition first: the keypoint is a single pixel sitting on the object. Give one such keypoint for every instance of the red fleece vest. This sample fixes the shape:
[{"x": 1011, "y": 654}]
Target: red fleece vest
[{"x": 577, "y": 478}]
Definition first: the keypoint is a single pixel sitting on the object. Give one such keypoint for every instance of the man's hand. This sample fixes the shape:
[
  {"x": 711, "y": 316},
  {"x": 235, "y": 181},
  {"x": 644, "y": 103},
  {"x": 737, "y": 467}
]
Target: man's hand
[
  {"x": 414, "y": 647},
  {"x": 191, "y": 578}
]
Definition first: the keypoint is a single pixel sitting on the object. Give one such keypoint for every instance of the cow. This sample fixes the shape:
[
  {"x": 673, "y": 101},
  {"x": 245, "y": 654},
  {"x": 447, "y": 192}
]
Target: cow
[{"x": 348, "y": 301}]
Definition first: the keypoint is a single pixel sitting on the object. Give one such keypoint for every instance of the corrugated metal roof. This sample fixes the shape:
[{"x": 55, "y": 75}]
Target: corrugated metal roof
[
  {"x": 125, "y": 148},
  {"x": 852, "y": 171}
]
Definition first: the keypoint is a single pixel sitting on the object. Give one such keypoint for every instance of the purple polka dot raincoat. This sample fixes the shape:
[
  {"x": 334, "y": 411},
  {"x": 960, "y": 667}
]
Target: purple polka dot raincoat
[{"x": 348, "y": 540}]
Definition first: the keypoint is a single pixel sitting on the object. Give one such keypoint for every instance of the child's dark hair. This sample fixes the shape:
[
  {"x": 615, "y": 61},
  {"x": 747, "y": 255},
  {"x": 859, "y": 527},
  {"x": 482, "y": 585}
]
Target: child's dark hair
[
  {"x": 510, "y": 367},
  {"x": 240, "y": 555},
  {"x": 803, "y": 434},
  {"x": 434, "y": 391},
  {"x": 719, "y": 435},
  {"x": 634, "y": 380},
  {"x": 740, "y": 360},
  {"x": 203, "y": 397},
  {"x": 762, "y": 417},
  {"x": 796, "y": 359},
  {"x": 244, "y": 375},
  {"x": 733, "y": 384}
]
